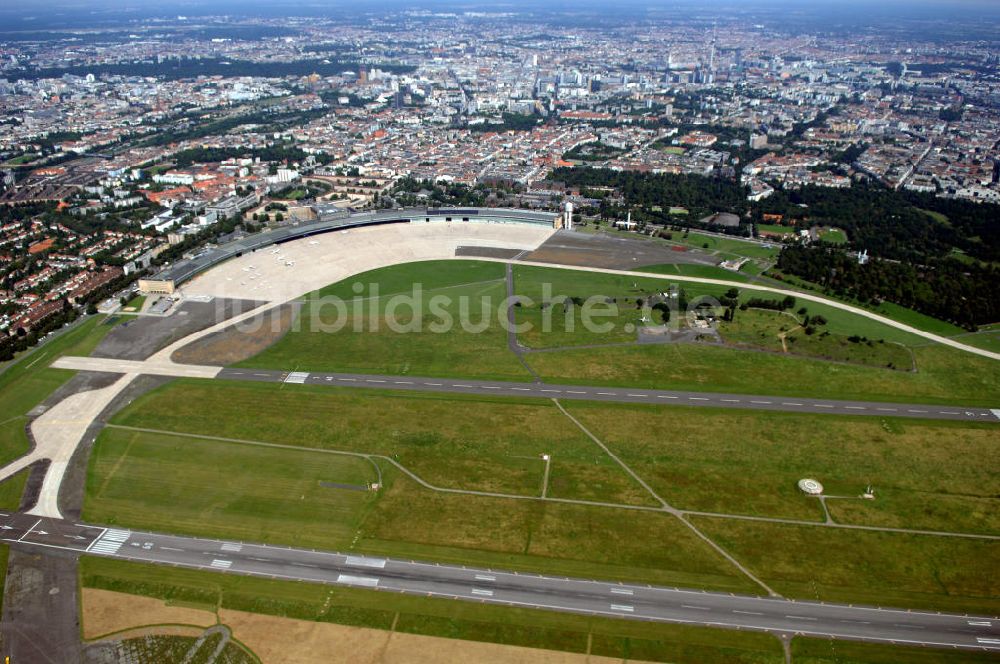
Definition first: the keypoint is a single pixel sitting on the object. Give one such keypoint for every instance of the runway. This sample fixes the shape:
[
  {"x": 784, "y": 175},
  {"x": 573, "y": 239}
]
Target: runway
[
  {"x": 538, "y": 389},
  {"x": 588, "y": 597},
  {"x": 622, "y": 394}
]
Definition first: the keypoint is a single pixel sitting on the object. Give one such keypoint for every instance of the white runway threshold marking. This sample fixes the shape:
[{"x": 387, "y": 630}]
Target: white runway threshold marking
[
  {"x": 297, "y": 377},
  {"x": 482, "y": 593},
  {"x": 221, "y": 564},
  {"x": 231, "y": 546},
  {"x": 622, "y": 591},
  {"x": 625, "y": 608},
  {"x": 996, "y": 412},
  {"x": 351, "y": 580},
  {"x": 110, "y": 541},
  {"x": 362, "y": 561}
]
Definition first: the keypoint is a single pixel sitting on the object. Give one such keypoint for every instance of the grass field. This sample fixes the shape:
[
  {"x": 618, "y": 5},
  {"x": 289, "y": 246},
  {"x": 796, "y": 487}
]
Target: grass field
[
  {"x": 435, "y": 617},
  {"x": 704, "y": 271},
  {"x": 494, "y": 445},
  {"x": 765, "y": 329},
  {"x": 883, "y": 569},
  {"x": 28, "y": 381},
  {"x": 426, "y": 351},
  {"x": 926, "y": 475},
  {"x": 825, "y": 651},
  {"x": 834, "y": 235},
  {"x": 775, "y": 228},
  {"x": 11, "y": 490},
  {"x": 226, "y": 490},
  {"x": 944, "y": 375}
]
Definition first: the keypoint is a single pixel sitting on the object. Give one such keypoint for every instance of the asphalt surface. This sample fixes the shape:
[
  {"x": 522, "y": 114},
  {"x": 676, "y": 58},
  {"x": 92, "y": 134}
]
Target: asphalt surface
[
  {"x": 637, "y": 602},
  {"x": 627, "y": 395}
]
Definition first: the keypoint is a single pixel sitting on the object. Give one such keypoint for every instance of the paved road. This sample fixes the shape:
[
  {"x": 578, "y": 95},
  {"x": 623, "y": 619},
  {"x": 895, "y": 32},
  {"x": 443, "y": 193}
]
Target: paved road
[
  {"x": 628, "y": 395},
  {"x": 638, "y": 602}
]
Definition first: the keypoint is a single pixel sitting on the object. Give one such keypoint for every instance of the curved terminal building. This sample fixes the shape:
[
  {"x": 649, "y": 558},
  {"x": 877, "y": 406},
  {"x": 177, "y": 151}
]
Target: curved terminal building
[{"x": 174, "y": 275}]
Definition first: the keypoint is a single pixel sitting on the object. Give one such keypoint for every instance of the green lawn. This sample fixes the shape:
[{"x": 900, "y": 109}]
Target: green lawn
[
  {"x": 29, "y": 380},
  {"x": 434, "y": 617},
  {"x": 944, "y": 375},
  {"x": 703, "y": 271},
  {"x": 834, "y": 235},
  {"x": 775, "y": 228},
  {"x": 495, "y": 445},
  {"x": 225, "y": 490},
  {"x": 431, "y": 349},
  {"x": 827, "y": 651},
  {"x": 11, "y": 490},
  {"x": 883, "y": 569},
  {"x": 763, "y": 329},
  {"x": 141, "y": 480},
  {"x": 927, "y": 475}
]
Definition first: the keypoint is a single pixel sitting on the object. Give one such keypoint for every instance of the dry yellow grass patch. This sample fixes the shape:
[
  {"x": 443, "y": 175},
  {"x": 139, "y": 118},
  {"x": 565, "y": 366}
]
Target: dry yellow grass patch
[
  {"x": 287, "y": 641},
  {"x": 105, "y": 611}
]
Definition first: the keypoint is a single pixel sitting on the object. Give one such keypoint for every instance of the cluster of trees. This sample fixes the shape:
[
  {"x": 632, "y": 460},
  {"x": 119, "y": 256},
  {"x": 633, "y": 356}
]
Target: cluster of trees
[
  {"x": 948, "y": 289},
  {"x": 650, "y": 196},
  {"x": 511, "y": 121},
  {"x": 892, "y": 224},
  {"x": 775, "y": 305},
  {"x": 176, "y": 69},
  {"x": 278, "y": 153}
]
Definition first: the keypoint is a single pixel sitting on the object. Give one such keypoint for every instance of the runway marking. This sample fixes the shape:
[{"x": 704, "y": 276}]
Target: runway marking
[
  {"x": 170, "y": 548},
  {"x": 698, "y": 398},
  {"x": 485, "y": 577},
  {"x": 28, "y": 531},
  {"x": 460, "y": 385},
  {"x": 992, "y": 642},
  {"x": 691, "y": 606},
  {"x": 789, "y": 403},
  {"x": 434, "y": 384},
  {"x": 110, "y": 541},
  {"x": 913, "y": 410},
  {"x": 556, "y": 391},
  {"x": 232, "y": 546},
  {"x": 950, "y": 412},
  {"x": 748, "y": 613},
  {"x": 482, "y": 593},
  {"x": 996, "y": 412},
  {"x": 367, "y": 581},
  {"x": 637, "y": 395},
  {"x": 663, "y": 396},
  {"x": 373, "y": 380},
  {"x": 219, "y": 563},
  {"x": 403, "y": 382},
  {"x": 855, "y": 408},
  {"x": 857, "y": 622},
  {"x": 799, "y": 618},
  {"x": 980, "y": 623},
  {"x": 353, "y": 380},
  {"x": 822, "y": 405},
  {"x": 490, "y": 387},
  {"x": 625, "y": 608},
  {"x": 607, "y": 394},
  {"x": 622, "y": 591},
  {"x": 362, "y": 561},
  {"x": 521, "y": 389},
  {"x": 887, "y": 410},
  {"x": 761, "y": 402},
  {"x": 730, "y": 400},
  {"x": 303, "y": 565},
  {"x": 574, "y": 392}
]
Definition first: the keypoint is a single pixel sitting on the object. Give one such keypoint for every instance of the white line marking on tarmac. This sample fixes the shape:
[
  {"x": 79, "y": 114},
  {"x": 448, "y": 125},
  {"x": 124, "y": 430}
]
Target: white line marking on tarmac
[
  {"x": 663, "y": 396},
  {"x": 625, "y": 608},
  {"x": 482, "y": 592},
  {"x": 698, "y": 398},
  {"x": 748, "y": 613},
  {"x": 730, "y": 400},
  {"x": 691, "y": 606},
  {"x": 980, "y": 623},
  {"x": 362, "y": 561},
  {"x": 485, "y": 577},
  {"x": 799, "y": 618},
  {"x": 366, "y": 581},
  {"x": 622, "y": 591},
  {"x": 607, "y": 394},
  {"x": 556, "y": 391},
  {"x": 992, "y": 642},
  {"x": 855, "y": 408},
  {"x": 574, "y": 392},
  {"x": 887, "y": 410},
  {"x": 637, "y": 395},
  {"x": 763, "y": 402},
  {"x": 170, "y": 548},
  {"x": 789, "y": 403}
]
